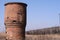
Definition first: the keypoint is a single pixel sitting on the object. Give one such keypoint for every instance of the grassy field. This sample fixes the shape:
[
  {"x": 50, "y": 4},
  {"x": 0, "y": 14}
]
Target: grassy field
[
  {"x": 39, "y": 34},
  {"x": 38, "y": 37},
  {"x": 43, "y": 37}
]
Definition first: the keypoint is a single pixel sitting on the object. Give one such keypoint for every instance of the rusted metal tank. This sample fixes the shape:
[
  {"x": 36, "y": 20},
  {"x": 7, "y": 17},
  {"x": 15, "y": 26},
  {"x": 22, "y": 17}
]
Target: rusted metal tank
[{"x": 15, "y": 20}]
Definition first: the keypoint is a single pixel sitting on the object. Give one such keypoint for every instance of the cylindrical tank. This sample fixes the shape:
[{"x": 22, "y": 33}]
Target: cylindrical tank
[{"x": 15, "y": 20}]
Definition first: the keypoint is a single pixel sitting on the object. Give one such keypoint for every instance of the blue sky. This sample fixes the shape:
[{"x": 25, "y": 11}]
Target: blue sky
[{"x": 40, "y": 13}]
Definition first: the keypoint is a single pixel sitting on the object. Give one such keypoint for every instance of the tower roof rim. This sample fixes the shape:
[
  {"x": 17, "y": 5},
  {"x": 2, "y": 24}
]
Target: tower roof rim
[{"x": 15, "y": 3}]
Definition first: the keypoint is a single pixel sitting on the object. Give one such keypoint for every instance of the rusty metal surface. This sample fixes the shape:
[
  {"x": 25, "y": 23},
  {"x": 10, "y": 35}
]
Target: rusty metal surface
[{"x": 15, "y": 20}]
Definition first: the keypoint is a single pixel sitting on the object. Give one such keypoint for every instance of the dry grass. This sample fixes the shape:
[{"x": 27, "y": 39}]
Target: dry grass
[
  {"x": 38, "y": 37},
  {"x": 43, "y": 37}
]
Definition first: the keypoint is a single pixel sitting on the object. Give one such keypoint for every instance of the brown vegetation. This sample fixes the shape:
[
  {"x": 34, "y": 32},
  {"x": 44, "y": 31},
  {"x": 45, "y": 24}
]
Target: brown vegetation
[
  {"x": 53, "y": 30},
  {"x": 43, "y": 37},
  {"x": 55, "y": 35}
]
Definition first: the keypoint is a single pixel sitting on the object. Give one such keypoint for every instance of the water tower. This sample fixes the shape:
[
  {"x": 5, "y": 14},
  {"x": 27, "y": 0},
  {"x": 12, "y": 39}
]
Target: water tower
[{"x": 15, "y": 20}]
